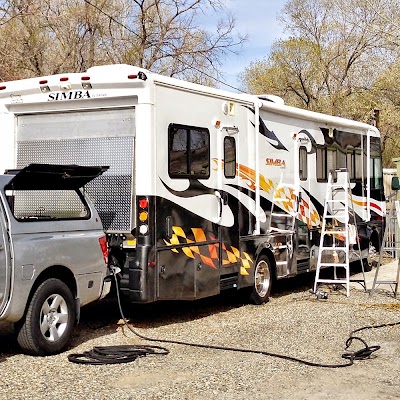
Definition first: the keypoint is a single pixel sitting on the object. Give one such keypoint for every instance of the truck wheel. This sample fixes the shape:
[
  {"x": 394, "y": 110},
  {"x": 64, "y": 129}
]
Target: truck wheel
[
  {"x": 262, "y": 281},
  {"x": 49, "y": 319}
]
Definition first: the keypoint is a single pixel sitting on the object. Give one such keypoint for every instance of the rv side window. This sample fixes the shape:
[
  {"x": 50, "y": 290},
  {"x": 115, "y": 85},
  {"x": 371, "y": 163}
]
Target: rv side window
[
  {"x": 331, "y": 160},
  {"x": 189, "y": 152},
  {"x": 376, "y": 178},
  {"x": 321, "y": 164},
  {"x": 350, "y": 163},
  {"x": 229, "y": 157},
  {"x": 358, "y": 164},
  {"x": 341, "y": 159},
  {"x": 303, "y": 163}
]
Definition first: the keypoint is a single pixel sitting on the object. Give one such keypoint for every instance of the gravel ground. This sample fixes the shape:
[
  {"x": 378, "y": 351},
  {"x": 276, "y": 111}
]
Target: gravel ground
[{"x": 293, "y": 323}]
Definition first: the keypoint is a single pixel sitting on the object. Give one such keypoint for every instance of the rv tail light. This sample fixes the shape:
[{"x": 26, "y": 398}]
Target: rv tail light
[
  {"x": 140, "y": 75},
  {"x": 44, "y": 89},
  {"x": 104, "y": 248},
  {"x": 143, "y": 216},
  {"x": 143, "y": 203},
  {"x": 143, "y": 229},
  {"x": 64, "y": 79},
  {"x": 3, "y": 87},
  {"x": 86, "y": 85}
]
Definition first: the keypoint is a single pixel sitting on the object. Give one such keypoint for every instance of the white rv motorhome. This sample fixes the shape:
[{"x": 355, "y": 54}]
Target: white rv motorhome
[{"x": 186, "y": 202}]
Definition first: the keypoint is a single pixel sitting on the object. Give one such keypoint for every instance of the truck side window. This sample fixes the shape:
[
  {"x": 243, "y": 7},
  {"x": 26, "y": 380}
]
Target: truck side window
[
  {"x": 229, "y": 157},
  {"x": 188, "y": 152}
]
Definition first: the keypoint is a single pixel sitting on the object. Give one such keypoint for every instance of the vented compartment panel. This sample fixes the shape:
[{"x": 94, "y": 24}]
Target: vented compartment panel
[{"x": 112, "y": 191}]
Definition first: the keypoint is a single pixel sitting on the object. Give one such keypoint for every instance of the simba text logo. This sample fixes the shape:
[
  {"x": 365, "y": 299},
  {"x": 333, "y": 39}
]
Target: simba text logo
[
  {"x": 73, "y": 95},
  {"x": 275, "y": 163}
]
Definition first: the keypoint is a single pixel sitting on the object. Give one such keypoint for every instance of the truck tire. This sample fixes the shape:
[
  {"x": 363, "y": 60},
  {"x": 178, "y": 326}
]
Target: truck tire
[
  {"x": 49, "y": 320},
  {"x": 262, "y": 281}
]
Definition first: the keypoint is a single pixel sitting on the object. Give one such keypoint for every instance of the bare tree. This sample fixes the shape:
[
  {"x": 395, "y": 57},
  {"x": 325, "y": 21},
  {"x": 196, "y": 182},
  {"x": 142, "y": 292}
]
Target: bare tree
[
  {"x": 52, "y": 36},
  {"x": 327, "y": 64}
]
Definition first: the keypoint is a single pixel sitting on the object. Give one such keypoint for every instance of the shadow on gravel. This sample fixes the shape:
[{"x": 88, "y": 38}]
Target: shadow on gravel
[
  {"x": 8, "y": 342},
  {"x": 101, "y": 318}
]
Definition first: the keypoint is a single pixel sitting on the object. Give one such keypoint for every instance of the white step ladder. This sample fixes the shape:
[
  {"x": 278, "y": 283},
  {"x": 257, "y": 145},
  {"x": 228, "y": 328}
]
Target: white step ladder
[
  {"x": 340, "y": 232},
  {"x": 390, "y": 244}
]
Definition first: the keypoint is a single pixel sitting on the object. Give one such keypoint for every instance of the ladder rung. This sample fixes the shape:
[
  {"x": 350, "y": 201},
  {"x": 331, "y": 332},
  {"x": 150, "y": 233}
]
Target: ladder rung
[
  {"x": 281, "y": 230},
  {"x": 386, "y": 282},
  {"x": 332, "y": 281},
  {"x": 333, "y": 265},
  {"x": 333, "y": 248},
  {"x": 282, "y": 215},
  {"x": 281, "y": 263},
  {"x": 335, "y": 201},
  {"x": 334, "y": 232}
]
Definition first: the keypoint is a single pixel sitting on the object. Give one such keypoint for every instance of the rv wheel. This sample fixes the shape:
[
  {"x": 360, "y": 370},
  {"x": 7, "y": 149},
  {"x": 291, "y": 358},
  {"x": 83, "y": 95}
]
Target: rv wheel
[
  {"x": 49, "y": 319},
  {"x": 262, "y": 281}
]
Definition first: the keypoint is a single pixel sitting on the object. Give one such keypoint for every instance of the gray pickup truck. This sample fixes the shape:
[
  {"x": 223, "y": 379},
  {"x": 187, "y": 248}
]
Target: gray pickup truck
[{"x": 53, "y": 253}]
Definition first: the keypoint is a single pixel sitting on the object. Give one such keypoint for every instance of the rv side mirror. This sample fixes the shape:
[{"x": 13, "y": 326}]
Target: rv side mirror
[{"x": 395, "y": 183}]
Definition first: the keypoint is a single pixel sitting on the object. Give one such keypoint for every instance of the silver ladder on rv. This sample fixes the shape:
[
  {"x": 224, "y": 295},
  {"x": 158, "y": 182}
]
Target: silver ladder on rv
[
  {"x": 286, "y": 197},
  {"x": 339, "y": 234},
  {"x": 285, "y": 194},
  {"x": 390, "y": 242}
]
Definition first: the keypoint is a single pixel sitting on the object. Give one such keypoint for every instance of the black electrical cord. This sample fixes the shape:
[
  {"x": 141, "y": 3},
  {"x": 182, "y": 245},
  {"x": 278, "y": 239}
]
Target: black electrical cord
[
  {"x": 123, "y": 354},
  {"x": 115, "y": 354}
]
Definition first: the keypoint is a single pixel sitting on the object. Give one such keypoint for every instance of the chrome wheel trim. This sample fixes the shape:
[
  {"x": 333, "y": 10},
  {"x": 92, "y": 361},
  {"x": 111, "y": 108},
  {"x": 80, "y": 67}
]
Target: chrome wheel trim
[
  {"x": 262, "y": 278},
  {"x": 53, "y": 317}
]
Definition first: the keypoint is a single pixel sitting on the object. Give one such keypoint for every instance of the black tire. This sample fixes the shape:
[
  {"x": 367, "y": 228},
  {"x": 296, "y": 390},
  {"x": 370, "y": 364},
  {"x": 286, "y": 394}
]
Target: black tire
[
  {"x": 49, "y": 320},
  {"x": 262, "y": 281}
]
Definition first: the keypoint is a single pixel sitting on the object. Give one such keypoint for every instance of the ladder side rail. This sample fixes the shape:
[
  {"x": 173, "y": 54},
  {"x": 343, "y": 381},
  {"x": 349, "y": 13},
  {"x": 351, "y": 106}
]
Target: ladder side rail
[{"x": 323, "y": 230}]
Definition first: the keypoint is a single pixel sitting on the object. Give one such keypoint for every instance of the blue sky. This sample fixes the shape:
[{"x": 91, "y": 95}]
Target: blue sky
[{"x": 257, "y": 19}]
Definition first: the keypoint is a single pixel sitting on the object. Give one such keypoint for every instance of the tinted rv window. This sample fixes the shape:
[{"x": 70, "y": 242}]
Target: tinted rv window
[
  {"x": 341, "y": 159},
  {"x": 189, "y": 152},
  {"x": 331, "y": 159},
  {"x": 321, "y": 164},
  {"x": 303, "y": 163},
  {"x": 229, "y": 157},
  {"x": 358, "y": 164},
  {"x": 376, "y": 178},
  {"x": 350, "y": 163}
]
